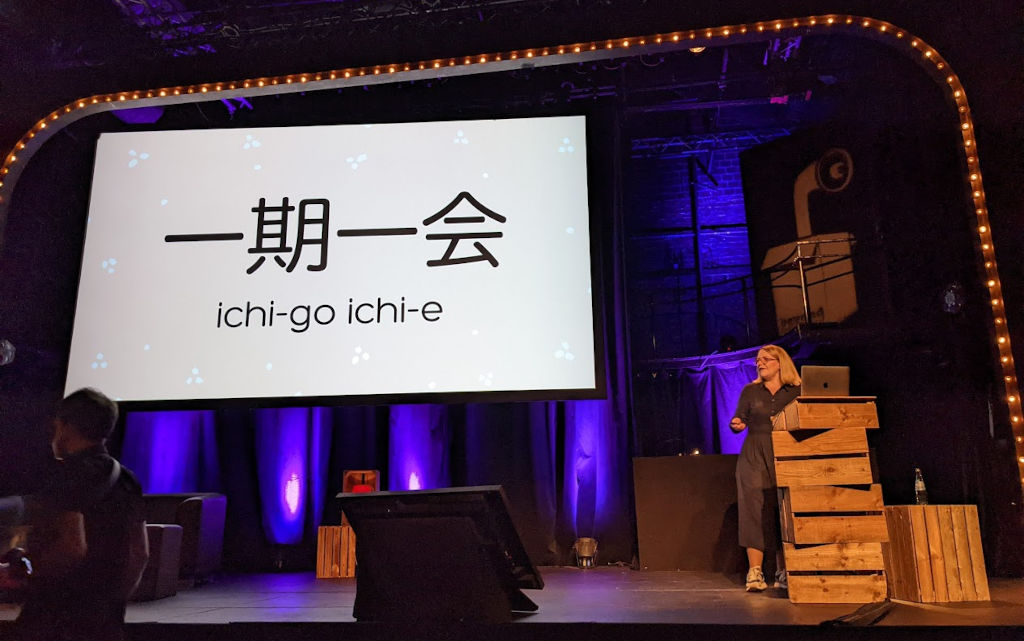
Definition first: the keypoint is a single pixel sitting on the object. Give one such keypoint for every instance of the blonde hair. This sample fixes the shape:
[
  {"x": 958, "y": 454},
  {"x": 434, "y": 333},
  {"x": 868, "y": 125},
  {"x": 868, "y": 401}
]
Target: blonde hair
[{"x": 787, "y": 370}]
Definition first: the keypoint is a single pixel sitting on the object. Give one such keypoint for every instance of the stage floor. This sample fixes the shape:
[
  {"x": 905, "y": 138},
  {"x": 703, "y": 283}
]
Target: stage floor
[{"x": 657, "y": 601}]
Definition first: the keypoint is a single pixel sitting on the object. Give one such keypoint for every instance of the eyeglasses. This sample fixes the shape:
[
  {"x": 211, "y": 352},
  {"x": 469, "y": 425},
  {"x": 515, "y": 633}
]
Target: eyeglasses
[{"x": 764, "y": 359}]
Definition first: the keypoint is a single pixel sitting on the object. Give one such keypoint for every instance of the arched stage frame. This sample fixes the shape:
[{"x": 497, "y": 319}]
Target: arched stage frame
[{"x": 881, "y": 31}]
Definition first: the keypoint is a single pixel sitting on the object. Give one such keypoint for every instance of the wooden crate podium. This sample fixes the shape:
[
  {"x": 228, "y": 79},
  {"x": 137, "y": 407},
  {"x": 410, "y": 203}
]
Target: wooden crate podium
[{"x": 830, "y": 508}]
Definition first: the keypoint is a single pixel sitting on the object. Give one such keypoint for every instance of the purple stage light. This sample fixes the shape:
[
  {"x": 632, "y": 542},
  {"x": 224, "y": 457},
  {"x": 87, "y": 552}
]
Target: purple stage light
[
  {"x": 418, "y": 447},
  {"x": 282, "y": 447},
  {"x": 139, "y": 115},
  {"x": 292, "y": 489},
  {"x": 170, "y": 451}
]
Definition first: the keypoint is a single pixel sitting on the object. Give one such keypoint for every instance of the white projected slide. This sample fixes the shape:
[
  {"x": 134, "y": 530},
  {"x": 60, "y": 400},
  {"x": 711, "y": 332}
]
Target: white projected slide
[{"x": 344, "y": 260}]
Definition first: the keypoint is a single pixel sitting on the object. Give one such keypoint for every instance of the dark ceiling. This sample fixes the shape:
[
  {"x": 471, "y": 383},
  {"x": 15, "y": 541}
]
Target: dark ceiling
[{"x": 54, "y": 52}]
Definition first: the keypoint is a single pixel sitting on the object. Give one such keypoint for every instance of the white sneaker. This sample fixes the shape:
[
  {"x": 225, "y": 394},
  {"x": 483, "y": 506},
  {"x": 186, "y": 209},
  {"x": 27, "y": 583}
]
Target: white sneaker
[
  {"x": 755, "y": 580},
  {"x": 781, "y": 579}
]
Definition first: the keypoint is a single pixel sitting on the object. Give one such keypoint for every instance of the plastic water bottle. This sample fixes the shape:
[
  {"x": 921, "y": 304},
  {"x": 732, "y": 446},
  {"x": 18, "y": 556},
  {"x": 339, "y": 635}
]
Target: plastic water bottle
[{"x": 920, "y": 492}]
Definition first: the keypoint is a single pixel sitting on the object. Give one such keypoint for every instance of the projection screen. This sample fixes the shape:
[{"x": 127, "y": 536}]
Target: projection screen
[{"x": 380, "y": 260}]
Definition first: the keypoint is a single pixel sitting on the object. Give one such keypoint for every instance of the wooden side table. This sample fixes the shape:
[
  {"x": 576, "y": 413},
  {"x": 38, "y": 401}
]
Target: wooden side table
[{"x": 934, "y": 553}]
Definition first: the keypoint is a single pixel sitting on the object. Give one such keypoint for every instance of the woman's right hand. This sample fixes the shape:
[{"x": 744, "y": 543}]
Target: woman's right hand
[{"x": 736, "y": 425}]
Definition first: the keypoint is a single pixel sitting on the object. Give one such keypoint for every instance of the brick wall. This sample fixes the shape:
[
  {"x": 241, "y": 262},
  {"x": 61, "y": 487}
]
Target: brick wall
[{"x": 660, "y": 266}]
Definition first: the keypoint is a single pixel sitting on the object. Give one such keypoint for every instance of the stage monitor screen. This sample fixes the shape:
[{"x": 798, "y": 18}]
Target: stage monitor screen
[
  {"x": 449, "y": 553},
  {"x": 389, "y": 262}
]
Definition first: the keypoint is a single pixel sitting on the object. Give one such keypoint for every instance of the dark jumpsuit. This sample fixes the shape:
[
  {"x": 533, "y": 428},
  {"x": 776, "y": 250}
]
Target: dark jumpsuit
[
  {"x": 755, "y": 469},
  {"x": 84, "y": 605}
]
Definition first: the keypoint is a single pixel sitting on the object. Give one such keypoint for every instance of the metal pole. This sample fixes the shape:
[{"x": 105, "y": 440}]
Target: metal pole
[
  {"x": 702, "y": 331},
  {"x": 803, "y": 286}
]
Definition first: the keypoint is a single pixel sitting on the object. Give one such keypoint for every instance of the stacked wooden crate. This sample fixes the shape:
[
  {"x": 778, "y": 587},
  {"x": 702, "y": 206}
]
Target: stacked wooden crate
[{"x": 831, "y": 510}]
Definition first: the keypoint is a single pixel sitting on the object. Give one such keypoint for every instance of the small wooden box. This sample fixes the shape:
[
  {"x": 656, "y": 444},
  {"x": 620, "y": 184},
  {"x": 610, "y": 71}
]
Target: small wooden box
[
  {"x": 359, "y": 481},
  {"x": 934, "y": 553},
  {"x": 335, "y": 552},
  {"x": 827, "y": 412}
]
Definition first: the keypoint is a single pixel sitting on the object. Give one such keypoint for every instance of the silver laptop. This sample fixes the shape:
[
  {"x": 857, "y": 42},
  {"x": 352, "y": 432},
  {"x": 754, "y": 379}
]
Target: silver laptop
[{"x": 825, "y": 380}]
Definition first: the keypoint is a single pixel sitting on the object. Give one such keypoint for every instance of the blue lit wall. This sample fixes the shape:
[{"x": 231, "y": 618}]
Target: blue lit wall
[{"x": 660, "y": 258}]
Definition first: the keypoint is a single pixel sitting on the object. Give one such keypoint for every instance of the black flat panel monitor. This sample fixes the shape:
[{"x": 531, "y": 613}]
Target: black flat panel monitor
[{"x": 445, "y": 555}]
